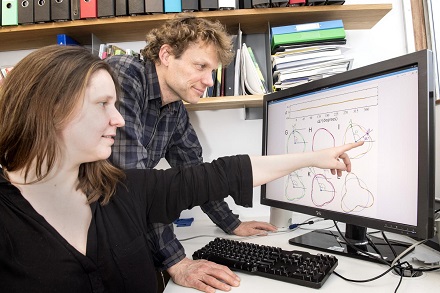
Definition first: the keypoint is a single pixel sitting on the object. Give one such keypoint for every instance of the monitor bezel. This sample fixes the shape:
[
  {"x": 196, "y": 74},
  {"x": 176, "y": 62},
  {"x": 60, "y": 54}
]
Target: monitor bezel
[{"x": 426, "y": 137}]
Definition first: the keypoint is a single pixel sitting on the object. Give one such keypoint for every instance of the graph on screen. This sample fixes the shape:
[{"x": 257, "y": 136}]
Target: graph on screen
[{"x": 327, "y": 120}]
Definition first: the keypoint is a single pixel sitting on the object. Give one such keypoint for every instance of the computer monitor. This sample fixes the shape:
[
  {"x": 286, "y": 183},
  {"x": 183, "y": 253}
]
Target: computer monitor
[{"x": 390, "y": 106}]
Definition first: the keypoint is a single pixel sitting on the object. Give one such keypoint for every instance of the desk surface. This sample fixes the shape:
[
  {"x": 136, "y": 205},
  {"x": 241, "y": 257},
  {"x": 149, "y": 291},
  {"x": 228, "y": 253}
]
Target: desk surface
[{"x": 347, "y": 267}]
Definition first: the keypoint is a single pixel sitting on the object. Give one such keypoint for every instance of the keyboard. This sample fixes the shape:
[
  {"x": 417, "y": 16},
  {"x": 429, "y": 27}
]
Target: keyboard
[{"x": 297, "y": 267}]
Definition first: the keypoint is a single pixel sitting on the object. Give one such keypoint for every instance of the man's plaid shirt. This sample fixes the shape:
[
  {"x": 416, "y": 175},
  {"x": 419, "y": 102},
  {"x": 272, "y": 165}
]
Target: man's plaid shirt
[{"x": 153, "y": 132}]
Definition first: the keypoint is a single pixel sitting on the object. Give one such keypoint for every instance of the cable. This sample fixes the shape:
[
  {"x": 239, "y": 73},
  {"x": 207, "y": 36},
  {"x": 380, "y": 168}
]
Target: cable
[
  {"x": 380, "y": 259},
  {"x": 290, "y": 229},
  {"x": 400, "y": 268}
]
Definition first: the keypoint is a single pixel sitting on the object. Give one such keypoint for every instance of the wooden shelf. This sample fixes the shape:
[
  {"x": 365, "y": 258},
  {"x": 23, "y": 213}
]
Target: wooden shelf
[
  {"x": 218, "y": 103},
  {"x": 134, "y": 28}
]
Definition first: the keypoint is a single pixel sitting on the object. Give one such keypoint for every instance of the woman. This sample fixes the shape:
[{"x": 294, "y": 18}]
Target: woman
[{"x": 72, "y": 222}]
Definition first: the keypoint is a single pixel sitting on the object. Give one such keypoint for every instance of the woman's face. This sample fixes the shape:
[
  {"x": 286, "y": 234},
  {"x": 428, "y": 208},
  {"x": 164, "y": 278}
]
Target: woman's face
[{"x": 90, "y": 134}]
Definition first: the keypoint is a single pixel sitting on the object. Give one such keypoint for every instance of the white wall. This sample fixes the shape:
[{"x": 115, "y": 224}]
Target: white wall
[{"x": 225, "y": 132}]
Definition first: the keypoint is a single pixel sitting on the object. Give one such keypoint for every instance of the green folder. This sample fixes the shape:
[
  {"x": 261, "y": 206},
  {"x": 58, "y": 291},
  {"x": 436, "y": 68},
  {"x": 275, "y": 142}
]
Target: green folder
[
  {"x": 9, "y": 12},
  {"x": 308, "y": 36}
]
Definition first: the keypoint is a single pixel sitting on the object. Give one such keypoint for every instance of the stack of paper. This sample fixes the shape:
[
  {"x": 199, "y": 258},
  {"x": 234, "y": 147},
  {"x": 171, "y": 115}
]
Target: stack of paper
[
  {"x": 307, "y": 52},
  {"x": 252, "y": 78}
]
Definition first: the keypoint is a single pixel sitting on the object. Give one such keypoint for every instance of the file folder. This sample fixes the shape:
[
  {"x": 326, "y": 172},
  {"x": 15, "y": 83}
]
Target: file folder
[
  {"x": 41, "y": 10},
  {"x": 106, "y": 8},
  {"x": 74, "y": 9},
  {"x": 121, "y": 8},
  {"x": 190, "y": 5},
  {"x": 136, "y": 7},
  {"x": 172, "y": 6},
  {"x": 308, "y": 36},
  {"x": 9, "y": 12},
  {"x": 26, "y": 12},
  {"x": 208, "y": 5},
  {"x": 156, "y": 6},
  {"x": 60, "y": 10},
  {"x": 87, "y": 9}
]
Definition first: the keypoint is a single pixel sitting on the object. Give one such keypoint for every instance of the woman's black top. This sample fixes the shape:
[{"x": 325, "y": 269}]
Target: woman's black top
[{"x": 34, "y": 257}]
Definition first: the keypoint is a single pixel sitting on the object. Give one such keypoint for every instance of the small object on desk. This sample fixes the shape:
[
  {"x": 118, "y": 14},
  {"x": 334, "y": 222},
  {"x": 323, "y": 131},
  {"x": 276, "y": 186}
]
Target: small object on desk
[
  {"x": 297, "y": 267},
  {"x": 184, "y": 222}
]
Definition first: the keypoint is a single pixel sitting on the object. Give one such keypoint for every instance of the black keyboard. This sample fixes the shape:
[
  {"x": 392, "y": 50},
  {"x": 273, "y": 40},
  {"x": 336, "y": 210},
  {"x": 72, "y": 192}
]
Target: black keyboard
[{"x": 297, "y": 267}]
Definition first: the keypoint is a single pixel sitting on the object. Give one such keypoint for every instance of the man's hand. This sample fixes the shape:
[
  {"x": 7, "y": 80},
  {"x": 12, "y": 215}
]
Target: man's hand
[
  {"x": 203, "y": 275},
  {"x": 254, "y": 228}
]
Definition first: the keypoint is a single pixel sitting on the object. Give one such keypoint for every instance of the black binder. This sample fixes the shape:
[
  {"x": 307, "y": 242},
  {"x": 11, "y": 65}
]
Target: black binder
[
  {"x": 25, "y": 11},
  {"x": 279, "y": 3},
  {"x": 106, "y": 8},
  {"x": 244, "y": 4},
  {"x": 260, "y": 3},
  {"x": 121, "y": 8},
  {"x": 136, "y": 7},
  {"x": 60, "y": 10},
  {"x": 41, "y": 10},
  {"x": 74, "y": 9},
  {"x": 208, "y": 5},
  {"x": 154, "y": 6},
  {"x": 315, "y": 2},
  {"x": 190, "y": 5}
]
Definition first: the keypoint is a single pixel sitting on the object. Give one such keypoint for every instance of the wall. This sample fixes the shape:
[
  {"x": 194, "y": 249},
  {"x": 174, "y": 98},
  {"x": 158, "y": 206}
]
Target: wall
[{"x": 225, "y": 132}]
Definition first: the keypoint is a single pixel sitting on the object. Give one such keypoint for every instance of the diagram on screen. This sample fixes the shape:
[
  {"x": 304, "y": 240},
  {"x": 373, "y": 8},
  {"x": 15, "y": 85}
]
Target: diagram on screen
[
  {"x": 359, "y": 197},
  {"x": 329, "y": 120}
]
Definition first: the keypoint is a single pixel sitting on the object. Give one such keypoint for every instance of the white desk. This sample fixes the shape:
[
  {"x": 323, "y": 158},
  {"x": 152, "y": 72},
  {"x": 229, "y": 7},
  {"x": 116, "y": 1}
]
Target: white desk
[{"x": 347, "y": 267}]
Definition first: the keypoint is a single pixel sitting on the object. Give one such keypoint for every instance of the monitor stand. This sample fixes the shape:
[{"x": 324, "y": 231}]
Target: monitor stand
[{"x": 332, "y": 242}]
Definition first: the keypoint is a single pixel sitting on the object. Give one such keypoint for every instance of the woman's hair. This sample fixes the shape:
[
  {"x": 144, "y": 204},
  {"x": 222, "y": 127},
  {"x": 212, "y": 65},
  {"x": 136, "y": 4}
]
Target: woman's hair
[
  {"x": 183, "y": 30},
  {"x": 37, "y": 99}
]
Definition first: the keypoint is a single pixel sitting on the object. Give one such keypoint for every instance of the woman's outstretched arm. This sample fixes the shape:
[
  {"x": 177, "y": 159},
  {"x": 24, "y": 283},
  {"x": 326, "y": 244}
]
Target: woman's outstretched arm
[{"x": 268, "y": 168}]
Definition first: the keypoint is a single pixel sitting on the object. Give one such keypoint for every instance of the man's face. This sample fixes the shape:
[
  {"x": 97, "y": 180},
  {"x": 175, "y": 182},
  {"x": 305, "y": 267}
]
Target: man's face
[{"x": 188, "y": 76}]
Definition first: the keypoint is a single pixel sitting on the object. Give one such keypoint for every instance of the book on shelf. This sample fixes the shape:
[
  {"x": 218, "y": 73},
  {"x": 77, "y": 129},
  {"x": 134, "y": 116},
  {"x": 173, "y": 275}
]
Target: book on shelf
[
  {"x": 229, "y": 71},
  {"x": 4, "y": 70},
  {"x": 218, "y": 81},
  {"x": 107, "y": 50},
  {"x": 238, "y": 86}
]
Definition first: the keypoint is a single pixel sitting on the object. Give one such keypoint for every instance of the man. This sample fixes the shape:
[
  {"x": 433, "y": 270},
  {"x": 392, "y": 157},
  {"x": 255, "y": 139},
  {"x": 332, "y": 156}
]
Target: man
[{"x": 177, "y": 66}]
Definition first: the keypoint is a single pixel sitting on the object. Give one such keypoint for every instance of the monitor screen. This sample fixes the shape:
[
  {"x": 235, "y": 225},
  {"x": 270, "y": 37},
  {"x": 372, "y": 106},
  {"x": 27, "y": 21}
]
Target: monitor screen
[{"x": 388, "y": 105}]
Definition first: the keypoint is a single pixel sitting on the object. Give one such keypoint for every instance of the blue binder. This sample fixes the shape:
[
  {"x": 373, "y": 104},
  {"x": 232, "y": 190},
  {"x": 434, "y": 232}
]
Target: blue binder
[
  {"x": 172, "y": 6},
  {"x": 65, "y": 40},
  {"x": 312, "y": 26}
]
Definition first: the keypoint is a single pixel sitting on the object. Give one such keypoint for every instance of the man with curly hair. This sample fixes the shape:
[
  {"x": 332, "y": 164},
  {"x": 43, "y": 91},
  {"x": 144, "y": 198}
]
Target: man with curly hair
[{"x": 177, "y": 66}]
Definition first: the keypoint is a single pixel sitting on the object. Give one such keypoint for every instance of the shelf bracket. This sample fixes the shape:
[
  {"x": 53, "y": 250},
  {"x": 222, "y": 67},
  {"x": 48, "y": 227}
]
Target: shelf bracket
[{"x": 253, "y": 113}]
